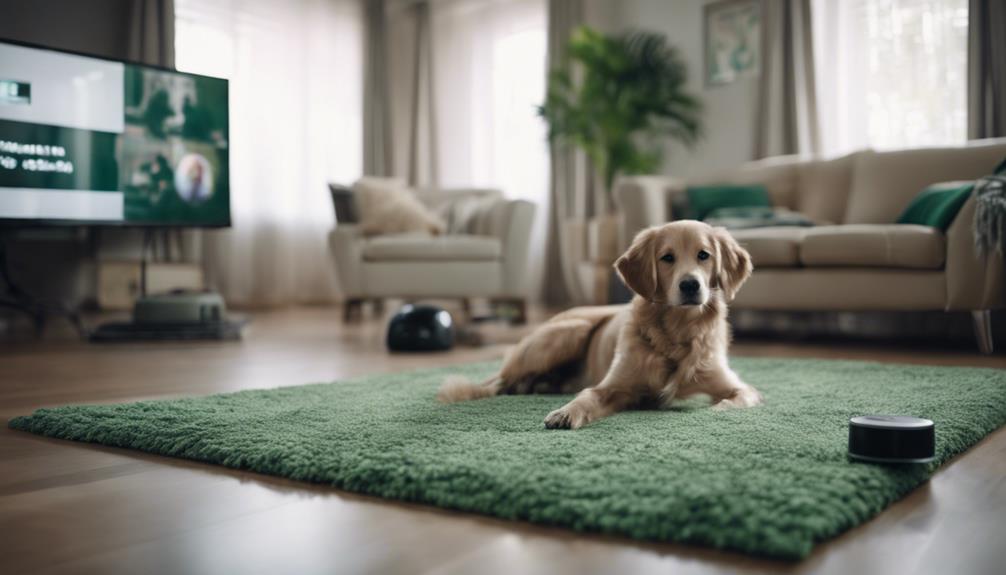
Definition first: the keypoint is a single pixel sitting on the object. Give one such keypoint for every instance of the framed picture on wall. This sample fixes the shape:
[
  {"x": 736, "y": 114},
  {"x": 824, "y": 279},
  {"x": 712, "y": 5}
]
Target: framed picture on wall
[{"x": 732, "y": 40}]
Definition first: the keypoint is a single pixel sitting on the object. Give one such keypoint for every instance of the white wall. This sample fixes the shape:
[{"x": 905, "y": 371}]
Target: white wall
[{"x": 729, "y": 110}]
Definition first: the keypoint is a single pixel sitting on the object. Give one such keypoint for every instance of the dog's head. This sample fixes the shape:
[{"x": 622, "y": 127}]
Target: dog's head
[{"x": 682, "y": 262}]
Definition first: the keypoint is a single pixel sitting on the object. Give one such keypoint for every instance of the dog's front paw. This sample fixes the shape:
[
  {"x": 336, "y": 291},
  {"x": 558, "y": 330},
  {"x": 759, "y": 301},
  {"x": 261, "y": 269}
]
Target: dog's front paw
[
  {"x": 746, "y": 397},
  {"x": 558, "y": 419},
  {"x": 573, "y": 415}
]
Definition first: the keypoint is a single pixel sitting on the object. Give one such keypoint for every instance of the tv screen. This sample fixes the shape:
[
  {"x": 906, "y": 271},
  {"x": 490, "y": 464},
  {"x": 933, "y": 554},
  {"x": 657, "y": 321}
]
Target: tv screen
[{"x": 91, "y": 141}]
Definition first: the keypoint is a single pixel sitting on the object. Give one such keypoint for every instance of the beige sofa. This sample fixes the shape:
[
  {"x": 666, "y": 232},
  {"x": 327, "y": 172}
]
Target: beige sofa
[
  {"x": 858, "y": 259},
  {"x": 486, "y": 259}
]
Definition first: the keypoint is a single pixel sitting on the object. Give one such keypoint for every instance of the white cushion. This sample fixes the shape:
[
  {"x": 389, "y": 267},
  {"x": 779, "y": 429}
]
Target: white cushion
[
  {"x": 386, "y": 206},
  {"x": 416, "y": 247}
]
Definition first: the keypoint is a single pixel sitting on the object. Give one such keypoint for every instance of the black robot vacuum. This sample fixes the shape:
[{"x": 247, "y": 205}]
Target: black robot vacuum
[
  {"x": 892, "y": 439},
  {"x": 421, "y": 328}
]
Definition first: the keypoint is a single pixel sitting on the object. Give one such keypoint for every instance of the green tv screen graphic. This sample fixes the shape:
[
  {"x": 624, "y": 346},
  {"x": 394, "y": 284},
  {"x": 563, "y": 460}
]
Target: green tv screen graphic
[{"x": 96, "y": 141}]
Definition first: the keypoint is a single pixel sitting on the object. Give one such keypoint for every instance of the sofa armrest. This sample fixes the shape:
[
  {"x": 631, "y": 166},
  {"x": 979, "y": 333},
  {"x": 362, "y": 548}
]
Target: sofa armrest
[
  {"x": 346, "y": 245},
  {"x": 644, "y": 201},
  {"x": 516, "y": 237},
  {"x": 973, "y": 282}
]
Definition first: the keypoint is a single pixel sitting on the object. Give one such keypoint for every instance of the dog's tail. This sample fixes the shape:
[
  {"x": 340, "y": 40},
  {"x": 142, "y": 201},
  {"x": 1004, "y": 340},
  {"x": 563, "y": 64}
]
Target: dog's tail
[{"x": 459, "y": 388}]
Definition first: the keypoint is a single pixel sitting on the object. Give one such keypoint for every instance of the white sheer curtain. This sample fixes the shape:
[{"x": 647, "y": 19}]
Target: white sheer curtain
[
  {"x": 489, "y": 59},
  {"x": 295, "y": 71},
  {"x": 489, "y": 74},
  {"x": 891, "y": 73}
]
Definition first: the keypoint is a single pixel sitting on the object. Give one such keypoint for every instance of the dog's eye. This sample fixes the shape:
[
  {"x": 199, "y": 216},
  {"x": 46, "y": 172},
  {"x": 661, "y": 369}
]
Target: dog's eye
[
  {"x": 669, "y": 258},
  {"x": 703, "y": 255}
]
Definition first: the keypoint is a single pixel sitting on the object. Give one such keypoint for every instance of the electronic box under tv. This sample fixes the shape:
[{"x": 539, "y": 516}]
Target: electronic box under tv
[{"x": 174, "y": 316}]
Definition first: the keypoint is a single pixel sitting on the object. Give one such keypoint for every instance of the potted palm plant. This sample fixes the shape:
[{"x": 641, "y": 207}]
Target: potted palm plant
[
  {"x": 619, "y": 98},
  {"x": 630, "y": 97}
]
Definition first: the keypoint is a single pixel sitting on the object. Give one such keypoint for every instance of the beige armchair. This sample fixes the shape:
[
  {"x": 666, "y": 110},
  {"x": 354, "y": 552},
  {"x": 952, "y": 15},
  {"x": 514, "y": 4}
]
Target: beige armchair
[{"x": 486, "y": 259}]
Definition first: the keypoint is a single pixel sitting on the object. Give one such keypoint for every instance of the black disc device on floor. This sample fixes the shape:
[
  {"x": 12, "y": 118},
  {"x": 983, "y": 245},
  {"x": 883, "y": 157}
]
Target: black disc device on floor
[
  {"x": 892, "y": 439},
  {"x": 421, "y": 328}
]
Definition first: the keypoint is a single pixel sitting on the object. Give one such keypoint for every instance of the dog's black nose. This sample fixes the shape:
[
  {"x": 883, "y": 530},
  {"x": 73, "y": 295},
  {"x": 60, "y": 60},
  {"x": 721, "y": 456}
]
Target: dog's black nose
[{"x": 689, "y": 286}]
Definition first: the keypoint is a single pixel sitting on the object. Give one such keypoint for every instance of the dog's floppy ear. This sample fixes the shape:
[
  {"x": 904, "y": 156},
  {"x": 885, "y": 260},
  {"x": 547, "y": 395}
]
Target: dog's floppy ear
[
  {"x": 733, "y": 267},
  {"x": 638, "y": 265}
]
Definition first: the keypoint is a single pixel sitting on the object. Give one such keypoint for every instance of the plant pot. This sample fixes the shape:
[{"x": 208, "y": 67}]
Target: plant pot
[
  {"x": 590, "y": 248},
  {"x": 602, "y": 239}
]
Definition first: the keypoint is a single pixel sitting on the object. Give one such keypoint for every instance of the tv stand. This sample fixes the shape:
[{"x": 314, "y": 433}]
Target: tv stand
[
  {"x": 14, "y": 297},
  {"x": 172, "y": 316}
]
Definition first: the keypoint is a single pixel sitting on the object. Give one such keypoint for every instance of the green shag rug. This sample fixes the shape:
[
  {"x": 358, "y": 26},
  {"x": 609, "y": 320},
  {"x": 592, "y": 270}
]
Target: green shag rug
[{"x": 770, "y": 481}]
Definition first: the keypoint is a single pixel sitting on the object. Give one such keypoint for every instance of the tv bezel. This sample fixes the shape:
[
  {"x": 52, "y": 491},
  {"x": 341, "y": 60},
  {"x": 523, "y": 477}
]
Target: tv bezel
[{"x": 7, "y": 222}]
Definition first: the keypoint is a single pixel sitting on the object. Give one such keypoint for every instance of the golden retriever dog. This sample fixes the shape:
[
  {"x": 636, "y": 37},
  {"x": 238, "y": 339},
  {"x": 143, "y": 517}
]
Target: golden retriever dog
[{"x": 670, "y": 342}]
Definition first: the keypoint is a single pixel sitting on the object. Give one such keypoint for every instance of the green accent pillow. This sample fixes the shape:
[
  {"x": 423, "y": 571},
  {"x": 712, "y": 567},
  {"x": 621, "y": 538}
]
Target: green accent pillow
[
  {"x": 702, "y": 200},
  {"x": 937, "y": 205}
]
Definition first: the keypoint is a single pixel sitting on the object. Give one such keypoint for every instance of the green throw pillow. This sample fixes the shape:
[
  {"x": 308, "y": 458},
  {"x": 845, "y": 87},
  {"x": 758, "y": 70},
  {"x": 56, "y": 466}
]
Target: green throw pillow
[
  {"x": 937, "y": 205},
  {"x": 702, "y": 200}
]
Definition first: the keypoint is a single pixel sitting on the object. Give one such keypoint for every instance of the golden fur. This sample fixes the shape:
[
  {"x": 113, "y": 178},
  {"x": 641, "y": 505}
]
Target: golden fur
[{"x": 670, "y": 342}]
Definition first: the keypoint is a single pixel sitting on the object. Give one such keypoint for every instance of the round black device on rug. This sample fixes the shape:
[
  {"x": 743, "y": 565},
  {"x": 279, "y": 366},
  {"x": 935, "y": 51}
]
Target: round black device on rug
[
  {"x": 421, "y": 328},
  {"x": 892, "y": 439}
]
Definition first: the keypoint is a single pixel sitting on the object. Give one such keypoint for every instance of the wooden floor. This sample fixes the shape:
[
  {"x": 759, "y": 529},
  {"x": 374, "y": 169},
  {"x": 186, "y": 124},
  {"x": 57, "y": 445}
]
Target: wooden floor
[{"x": 73, "y": 508}]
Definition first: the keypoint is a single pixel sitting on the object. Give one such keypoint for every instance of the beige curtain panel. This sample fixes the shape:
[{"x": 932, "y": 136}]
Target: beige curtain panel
[
  {"x": 786, "y": 115},
  {"x": 986, "y": 69}
]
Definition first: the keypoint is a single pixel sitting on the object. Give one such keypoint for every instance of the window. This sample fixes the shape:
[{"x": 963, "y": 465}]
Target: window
[
  {"x": 891, "y": 73},
  {"x": 296, "y": 77},
  {"x": 489, "y": 58}
]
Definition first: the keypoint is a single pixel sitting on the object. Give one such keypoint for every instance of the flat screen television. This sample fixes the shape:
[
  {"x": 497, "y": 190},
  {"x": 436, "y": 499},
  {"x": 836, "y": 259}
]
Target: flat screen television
[{"x": 90, "y": 141}]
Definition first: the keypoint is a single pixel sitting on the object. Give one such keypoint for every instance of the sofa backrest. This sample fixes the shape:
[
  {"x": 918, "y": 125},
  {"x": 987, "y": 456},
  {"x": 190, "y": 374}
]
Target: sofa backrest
[
  {"x": 780, "y": 175},
  {"x": 884, "y": 183},
  {"x": 438, "y": 199},
  {"x": 477, "y": 211},
  {"x": 823, "y": 190}
]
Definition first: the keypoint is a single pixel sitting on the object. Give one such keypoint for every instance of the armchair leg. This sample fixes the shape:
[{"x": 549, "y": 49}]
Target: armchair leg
[
  {"x": 520, "y": 309},
  {"x": 350, "y": 308},
  {"x": 983, "y": 330},
  {"x": 521, "y": 318}
]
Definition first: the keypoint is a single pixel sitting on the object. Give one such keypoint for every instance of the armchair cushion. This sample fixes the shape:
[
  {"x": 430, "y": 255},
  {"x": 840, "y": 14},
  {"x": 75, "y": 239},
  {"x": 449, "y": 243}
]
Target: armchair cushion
[
  {"x": 417, "y": 247},
  {"x": 386, "y": 206}
]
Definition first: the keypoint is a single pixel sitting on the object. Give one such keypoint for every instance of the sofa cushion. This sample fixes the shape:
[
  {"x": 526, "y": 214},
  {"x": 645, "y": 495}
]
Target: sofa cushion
[
  {"x": 772, "y": 247},
  {"x": 884, "y": 183},
  {"x": 824, "y": 188},
  {"x": 417, "y": 247},
  {"x": 937, "y": 205},
  {"x": 703, "y": 200},
  {"x": 869, "y": 245}
]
